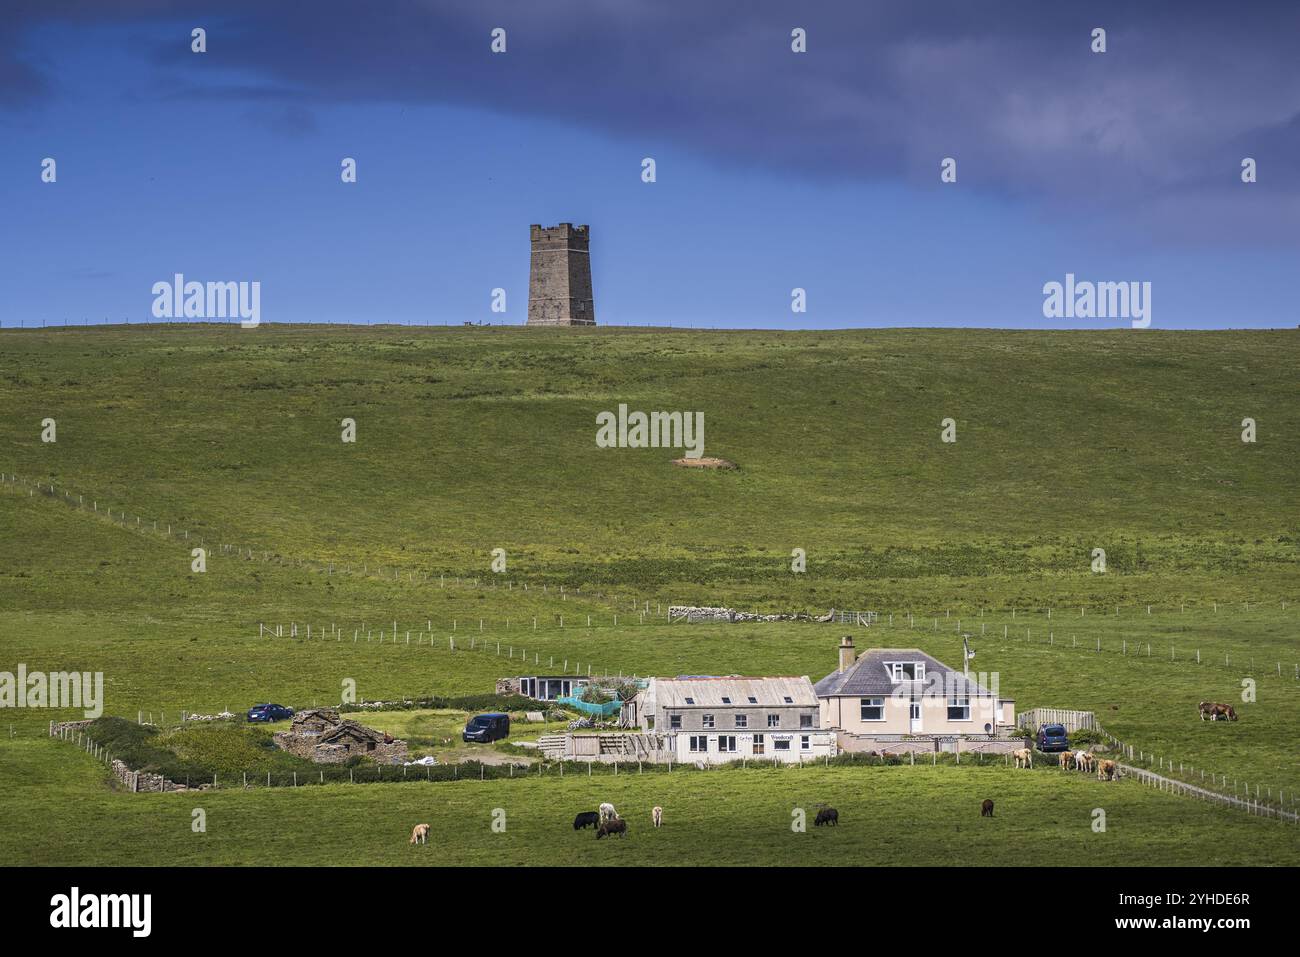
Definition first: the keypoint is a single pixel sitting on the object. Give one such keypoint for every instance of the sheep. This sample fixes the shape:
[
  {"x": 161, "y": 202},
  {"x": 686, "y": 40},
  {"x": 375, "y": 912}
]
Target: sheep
[
  {"x": 657, "y": 816},
  {"x": 986, "y": 809},
  {"x": 1024, "y": 757},
  {"x": 420, "y": 834}
]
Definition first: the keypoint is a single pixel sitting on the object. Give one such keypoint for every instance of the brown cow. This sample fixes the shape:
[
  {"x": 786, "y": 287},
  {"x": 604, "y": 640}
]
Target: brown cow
[
  {"x": 1067, "y": 760},
  {"x": 613, "y": 825},
  {"x": 1107, "y": 771},
  {"x": 420, "y": 834},
  {"x": 986, "y": 809}
]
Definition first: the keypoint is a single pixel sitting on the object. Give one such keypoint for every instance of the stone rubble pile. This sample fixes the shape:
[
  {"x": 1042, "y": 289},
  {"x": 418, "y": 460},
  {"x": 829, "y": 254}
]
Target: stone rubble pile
[{"x": 697, "y": 613}]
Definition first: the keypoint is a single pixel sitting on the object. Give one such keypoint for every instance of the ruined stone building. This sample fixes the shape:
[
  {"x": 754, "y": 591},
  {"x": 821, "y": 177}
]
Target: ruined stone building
[
  {"x": 320, "y": 735},
  {"x": 559, "y": 280}
]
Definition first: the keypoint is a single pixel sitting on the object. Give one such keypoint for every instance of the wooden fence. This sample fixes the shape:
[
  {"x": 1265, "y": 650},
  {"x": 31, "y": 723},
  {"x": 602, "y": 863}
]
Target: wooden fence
[{"x": 1034, "y": 718}]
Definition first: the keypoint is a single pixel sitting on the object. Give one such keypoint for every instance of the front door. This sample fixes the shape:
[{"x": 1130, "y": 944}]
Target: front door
[{"x": 916, "y": 717}]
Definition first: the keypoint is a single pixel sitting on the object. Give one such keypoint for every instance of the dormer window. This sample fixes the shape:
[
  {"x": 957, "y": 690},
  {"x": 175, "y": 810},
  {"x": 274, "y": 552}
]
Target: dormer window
[
  {"x": 906, "y": 670},
  {"x": 690, "y": 701},
  {"x": 726, "y": 700}
]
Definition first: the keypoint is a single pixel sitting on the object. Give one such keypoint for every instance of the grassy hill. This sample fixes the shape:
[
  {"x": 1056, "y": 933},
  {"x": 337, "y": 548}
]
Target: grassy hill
[{"x": 475, "y": 439}]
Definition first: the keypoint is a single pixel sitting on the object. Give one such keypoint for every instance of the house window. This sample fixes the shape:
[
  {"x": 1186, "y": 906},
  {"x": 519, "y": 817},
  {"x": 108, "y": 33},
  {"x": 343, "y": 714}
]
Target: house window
[
  {"x": 774, "y": 721},
  {"x": 788, "y": 700},
  {"x": 907, "y": 670},
  {"x": 675, "y": 722},
  {"x": 873, "y": 709},
  {"x": 805, "y": 721},
  {"x": 727, "y": 743},
  {"x": 959, "y": 708},
  {"x": 726, "y": 700},
  {"x": 759, "y": 744},
  {"x": 753, "y": 700},
  {"x": 699, "y": 742},
  {"x": 742, "y": 721},
  {"x": 805, "y": 742},
  {"x": 781, "y": 744},
  {"x": 690, "y": 701},
  {"x": 706, "y": 720}
]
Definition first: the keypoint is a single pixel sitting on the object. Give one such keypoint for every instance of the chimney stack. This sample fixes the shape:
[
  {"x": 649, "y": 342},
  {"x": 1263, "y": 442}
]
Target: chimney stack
[{"x": 847, "y": 657}]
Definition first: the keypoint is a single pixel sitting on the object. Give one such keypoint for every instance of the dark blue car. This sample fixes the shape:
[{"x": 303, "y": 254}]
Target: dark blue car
[
  {"x": 269, "y": 712},
  {"x": 1053, "y": 737}
]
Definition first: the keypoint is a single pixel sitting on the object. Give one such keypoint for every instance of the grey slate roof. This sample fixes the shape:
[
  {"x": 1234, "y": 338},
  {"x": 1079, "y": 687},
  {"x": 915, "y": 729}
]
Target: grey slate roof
[
  {"x": 709, "y": 692},
  {"x": 868, "y": 677}
]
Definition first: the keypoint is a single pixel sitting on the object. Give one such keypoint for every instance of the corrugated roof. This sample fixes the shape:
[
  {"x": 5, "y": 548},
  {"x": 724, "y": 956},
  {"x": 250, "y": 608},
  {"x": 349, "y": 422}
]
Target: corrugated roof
[
  {"x": 869, "y": 677},
  {"x": 709, "y": 692}
]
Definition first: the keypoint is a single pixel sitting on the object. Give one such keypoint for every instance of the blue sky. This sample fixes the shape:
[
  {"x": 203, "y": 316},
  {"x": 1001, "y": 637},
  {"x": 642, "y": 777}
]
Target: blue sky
[{"x": 775, "y": 170}]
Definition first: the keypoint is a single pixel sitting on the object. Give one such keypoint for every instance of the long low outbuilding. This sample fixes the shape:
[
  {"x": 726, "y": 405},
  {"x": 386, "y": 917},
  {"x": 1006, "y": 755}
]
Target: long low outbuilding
[{"x": 708, "y": 719}]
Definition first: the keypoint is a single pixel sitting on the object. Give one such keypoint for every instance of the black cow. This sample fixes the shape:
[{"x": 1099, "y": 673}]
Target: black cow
[
  {"x": 586, "y": 819},
  {"x": 986, "y": 809},
  {"x": 615, "y": 825},
  {"x": 827, "y": 815}
]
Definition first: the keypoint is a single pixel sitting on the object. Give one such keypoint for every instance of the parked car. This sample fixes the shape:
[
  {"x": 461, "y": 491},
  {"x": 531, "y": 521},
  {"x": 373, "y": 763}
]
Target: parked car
[
  {"x": 269, "y": 712},
  {"x": 483, "y": 728},
  {"x": 1053, "y": 737}
]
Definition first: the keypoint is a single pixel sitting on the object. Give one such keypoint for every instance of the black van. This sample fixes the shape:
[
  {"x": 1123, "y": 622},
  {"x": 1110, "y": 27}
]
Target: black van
[{"x": 487, "y": 727}]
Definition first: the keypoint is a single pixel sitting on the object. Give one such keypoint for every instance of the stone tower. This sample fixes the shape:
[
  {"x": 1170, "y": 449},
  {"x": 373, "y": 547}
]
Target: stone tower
[{"x": 559, "y": 280}]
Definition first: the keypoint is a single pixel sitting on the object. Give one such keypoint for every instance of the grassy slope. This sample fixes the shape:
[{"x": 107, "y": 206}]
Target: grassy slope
[
  {"x": 476, "y": 439},
  {"x": 473, "y": 440},
  {"x": 715, "y": 817}
]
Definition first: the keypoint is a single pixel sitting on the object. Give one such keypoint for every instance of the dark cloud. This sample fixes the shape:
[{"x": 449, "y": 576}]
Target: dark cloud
[{"x": 1157, "y": 125}]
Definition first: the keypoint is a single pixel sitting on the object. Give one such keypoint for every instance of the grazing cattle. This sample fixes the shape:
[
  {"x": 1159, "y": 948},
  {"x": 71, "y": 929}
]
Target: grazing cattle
[
  {"x": 420, "y": 834},
  {"x": 585, "y": 819},
  {"x": 1066, "y": 759},
  {"x": 1215, "y": 711},
  {"x": 615, "y": 825},
  {"x": 827, "y": 815},
  {"x": 1024, "y": 757},
  {"x": 657, "y": 815},
  {"x": 1083, "y": 760},
  {"x": 607, "y": 812},
  {"x": 986, "y": 809},
  {"x": 1106, "y": 770}
]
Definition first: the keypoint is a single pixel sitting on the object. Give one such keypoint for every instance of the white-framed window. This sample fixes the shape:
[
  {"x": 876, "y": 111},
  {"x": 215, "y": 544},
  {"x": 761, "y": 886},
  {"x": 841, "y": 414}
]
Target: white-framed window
[
  {"x": 760, "y": 744},
  {"x": 805, "y": 742},
  {"x": 774, "y": 721},
  {"x": 781, "y": 744},
  {"x": 959, "y": 708},
  {"x": 706, "y": 721},
  {"x": 698, "y": 742},
  {"x": 742, "y": 721},
  {"x": 727, "y": 743},
  {"x": 873, "y": 709},
  {"x": 907, "y": 670}
]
